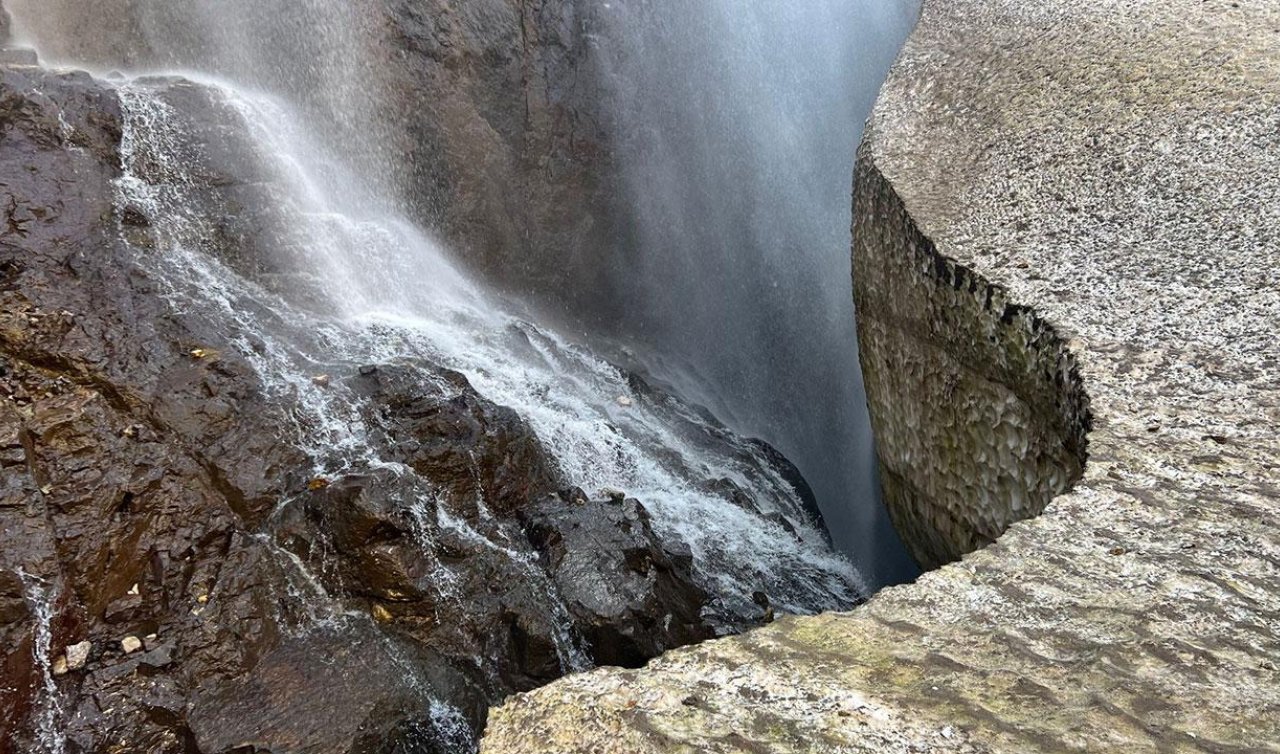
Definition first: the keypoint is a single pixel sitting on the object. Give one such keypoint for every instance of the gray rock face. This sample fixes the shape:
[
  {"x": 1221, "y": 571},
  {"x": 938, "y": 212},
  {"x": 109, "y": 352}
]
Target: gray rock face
[
  {"x": 487, "y": 110},
  {"x": 501, "y": 117},
  {"x": 1109, "y": 170}
]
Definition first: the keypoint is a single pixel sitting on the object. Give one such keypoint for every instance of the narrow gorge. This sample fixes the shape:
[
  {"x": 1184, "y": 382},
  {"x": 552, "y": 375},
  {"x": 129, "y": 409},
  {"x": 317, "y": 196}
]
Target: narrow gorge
[
  {"x": 639, "y": 377},
  {"x": 338, "y": 404}
]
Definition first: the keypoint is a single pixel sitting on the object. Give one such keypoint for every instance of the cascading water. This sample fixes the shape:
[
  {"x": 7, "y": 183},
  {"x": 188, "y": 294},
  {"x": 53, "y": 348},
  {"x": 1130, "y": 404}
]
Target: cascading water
[
  {"x": 326, "y": 274},
  {"x": 389, "y": 293},
  {"x": 735, "y": 125},
  {"x": 40, "y": 600},
  {"x": 260, "y": 187}
]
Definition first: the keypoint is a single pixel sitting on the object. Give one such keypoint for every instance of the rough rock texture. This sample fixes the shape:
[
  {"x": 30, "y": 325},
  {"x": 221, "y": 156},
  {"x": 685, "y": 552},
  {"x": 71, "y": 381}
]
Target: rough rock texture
[
  {"x": 979, "y": 415},
  {"x": 152, "y": 487},
  {"x": 631, "y": 597},
  {"x": 488, "y": 109},
  {"x": 509, "y": 158},
  {"x": 1111, "y": 167}
]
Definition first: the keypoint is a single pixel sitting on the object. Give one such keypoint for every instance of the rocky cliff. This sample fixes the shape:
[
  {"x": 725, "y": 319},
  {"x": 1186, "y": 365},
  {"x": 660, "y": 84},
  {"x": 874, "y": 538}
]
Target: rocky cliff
[
  {"x": 486, "y": 111},
  {"x": 1065, "y": 232},
  {"x": 179, "y": 569}
]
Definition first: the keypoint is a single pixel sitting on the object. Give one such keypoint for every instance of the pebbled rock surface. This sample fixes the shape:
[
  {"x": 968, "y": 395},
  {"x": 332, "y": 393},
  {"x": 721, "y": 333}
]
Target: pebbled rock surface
[
  {"x": 156, "y": 502},
  {"x": 1110, "y": 165}
]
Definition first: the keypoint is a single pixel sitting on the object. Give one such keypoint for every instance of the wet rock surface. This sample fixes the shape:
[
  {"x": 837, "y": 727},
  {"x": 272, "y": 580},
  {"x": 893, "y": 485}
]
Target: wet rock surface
[
  {"x": 235, "y": 593},
  {"x": 630, "y": 596},
  {"x": 489, "y": 107}
]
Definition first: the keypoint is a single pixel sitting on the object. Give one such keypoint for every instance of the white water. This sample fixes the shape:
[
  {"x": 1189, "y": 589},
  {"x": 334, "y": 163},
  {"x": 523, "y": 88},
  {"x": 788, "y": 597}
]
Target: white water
[
  {"x": 736, "y": 123},
  {"x": 349, "y": 280},
  {"x": 40, "y": 597},
  {"x": 393, "y": 294}
]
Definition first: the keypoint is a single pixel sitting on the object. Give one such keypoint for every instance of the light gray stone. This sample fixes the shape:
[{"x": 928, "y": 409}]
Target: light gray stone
[
  {"x": 78, "y": 655},
  {"x": 1109, "y": 168}
]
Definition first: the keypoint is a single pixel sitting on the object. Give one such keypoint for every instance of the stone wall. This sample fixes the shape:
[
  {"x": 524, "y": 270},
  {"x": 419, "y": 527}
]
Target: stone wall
[{"x": 979, "y": 414}]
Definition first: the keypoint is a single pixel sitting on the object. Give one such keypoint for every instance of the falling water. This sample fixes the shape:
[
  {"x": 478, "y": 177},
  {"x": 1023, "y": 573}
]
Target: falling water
[
  {"x": 736, "y": 124},
  {"x": 48, "y": 721},
  {"x": 287, "y": 93},
  {"x": 390, "y": 293}
]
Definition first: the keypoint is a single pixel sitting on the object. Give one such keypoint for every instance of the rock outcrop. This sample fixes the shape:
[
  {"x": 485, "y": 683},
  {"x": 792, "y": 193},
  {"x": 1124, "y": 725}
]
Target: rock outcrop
[
  {"x": 1056, "y": 200},
  {"x": 487, "y": 109},
  {"x": 159, "y": 509}
]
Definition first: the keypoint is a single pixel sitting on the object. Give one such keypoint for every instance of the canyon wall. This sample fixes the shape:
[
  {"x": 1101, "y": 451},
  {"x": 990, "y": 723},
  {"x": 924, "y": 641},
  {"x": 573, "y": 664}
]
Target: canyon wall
[{"x": 979, "y": 414}]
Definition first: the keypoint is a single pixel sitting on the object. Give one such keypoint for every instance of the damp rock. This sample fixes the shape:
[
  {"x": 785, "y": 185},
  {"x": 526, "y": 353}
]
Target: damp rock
[{"x": 629, "y": 597}]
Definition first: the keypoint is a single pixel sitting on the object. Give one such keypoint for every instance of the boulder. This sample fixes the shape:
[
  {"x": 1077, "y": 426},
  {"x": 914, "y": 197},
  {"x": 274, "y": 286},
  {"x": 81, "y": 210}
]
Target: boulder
[{"x": 630, "y": 597}]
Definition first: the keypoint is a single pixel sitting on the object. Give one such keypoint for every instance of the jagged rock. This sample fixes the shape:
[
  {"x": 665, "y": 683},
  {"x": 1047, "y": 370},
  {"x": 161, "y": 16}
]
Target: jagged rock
[
  {"x": 130, "y": 644},
  {"x": 154, "y": 485},
  {"x": 630, "y": 597},
  {"x": 133, "y": 478},
  {"x": 472, "y": 447}
]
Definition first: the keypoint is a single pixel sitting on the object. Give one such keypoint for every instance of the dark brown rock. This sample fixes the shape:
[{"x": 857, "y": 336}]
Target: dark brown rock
[
  {"x": 152, "y": 484},
  {"x": 630, "y": 597}
]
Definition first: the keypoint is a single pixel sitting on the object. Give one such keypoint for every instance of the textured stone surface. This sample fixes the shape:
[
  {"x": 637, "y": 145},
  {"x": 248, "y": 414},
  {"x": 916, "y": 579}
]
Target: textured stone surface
[
  {"x": 979, "y": 414},
  {"x": 1111, "y": 165}
]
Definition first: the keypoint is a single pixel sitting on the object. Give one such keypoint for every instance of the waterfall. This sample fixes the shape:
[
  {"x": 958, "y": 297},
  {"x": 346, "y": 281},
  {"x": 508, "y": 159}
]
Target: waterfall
[
  {"x": 40, "y": 597},
  {"x": 736, "y": 125},
  {"x": 262, "y": 187},
  {"x": 349, "y": 279},
  {"x": 388, "y": 292}
]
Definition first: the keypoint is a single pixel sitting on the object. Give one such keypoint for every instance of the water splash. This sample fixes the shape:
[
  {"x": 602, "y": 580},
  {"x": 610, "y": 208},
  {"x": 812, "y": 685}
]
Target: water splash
[
  {"x": 735, "y": 125},
  {"x": 391, "y": 294}
]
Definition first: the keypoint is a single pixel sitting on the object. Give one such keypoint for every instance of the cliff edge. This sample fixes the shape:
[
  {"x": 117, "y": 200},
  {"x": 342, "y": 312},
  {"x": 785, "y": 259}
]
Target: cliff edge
[{"x": 1068, "y": 246}]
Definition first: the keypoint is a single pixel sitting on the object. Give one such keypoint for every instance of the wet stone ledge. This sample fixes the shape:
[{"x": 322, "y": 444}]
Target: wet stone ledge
[{"x": 1108, "y": 168}]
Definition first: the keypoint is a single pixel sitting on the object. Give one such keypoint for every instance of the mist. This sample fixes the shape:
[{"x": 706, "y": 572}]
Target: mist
[{"x": 736, "y": 126}]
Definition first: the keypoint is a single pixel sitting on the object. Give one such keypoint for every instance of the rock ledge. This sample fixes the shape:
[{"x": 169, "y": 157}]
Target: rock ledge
[{"x": 1111, "y": 166}]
